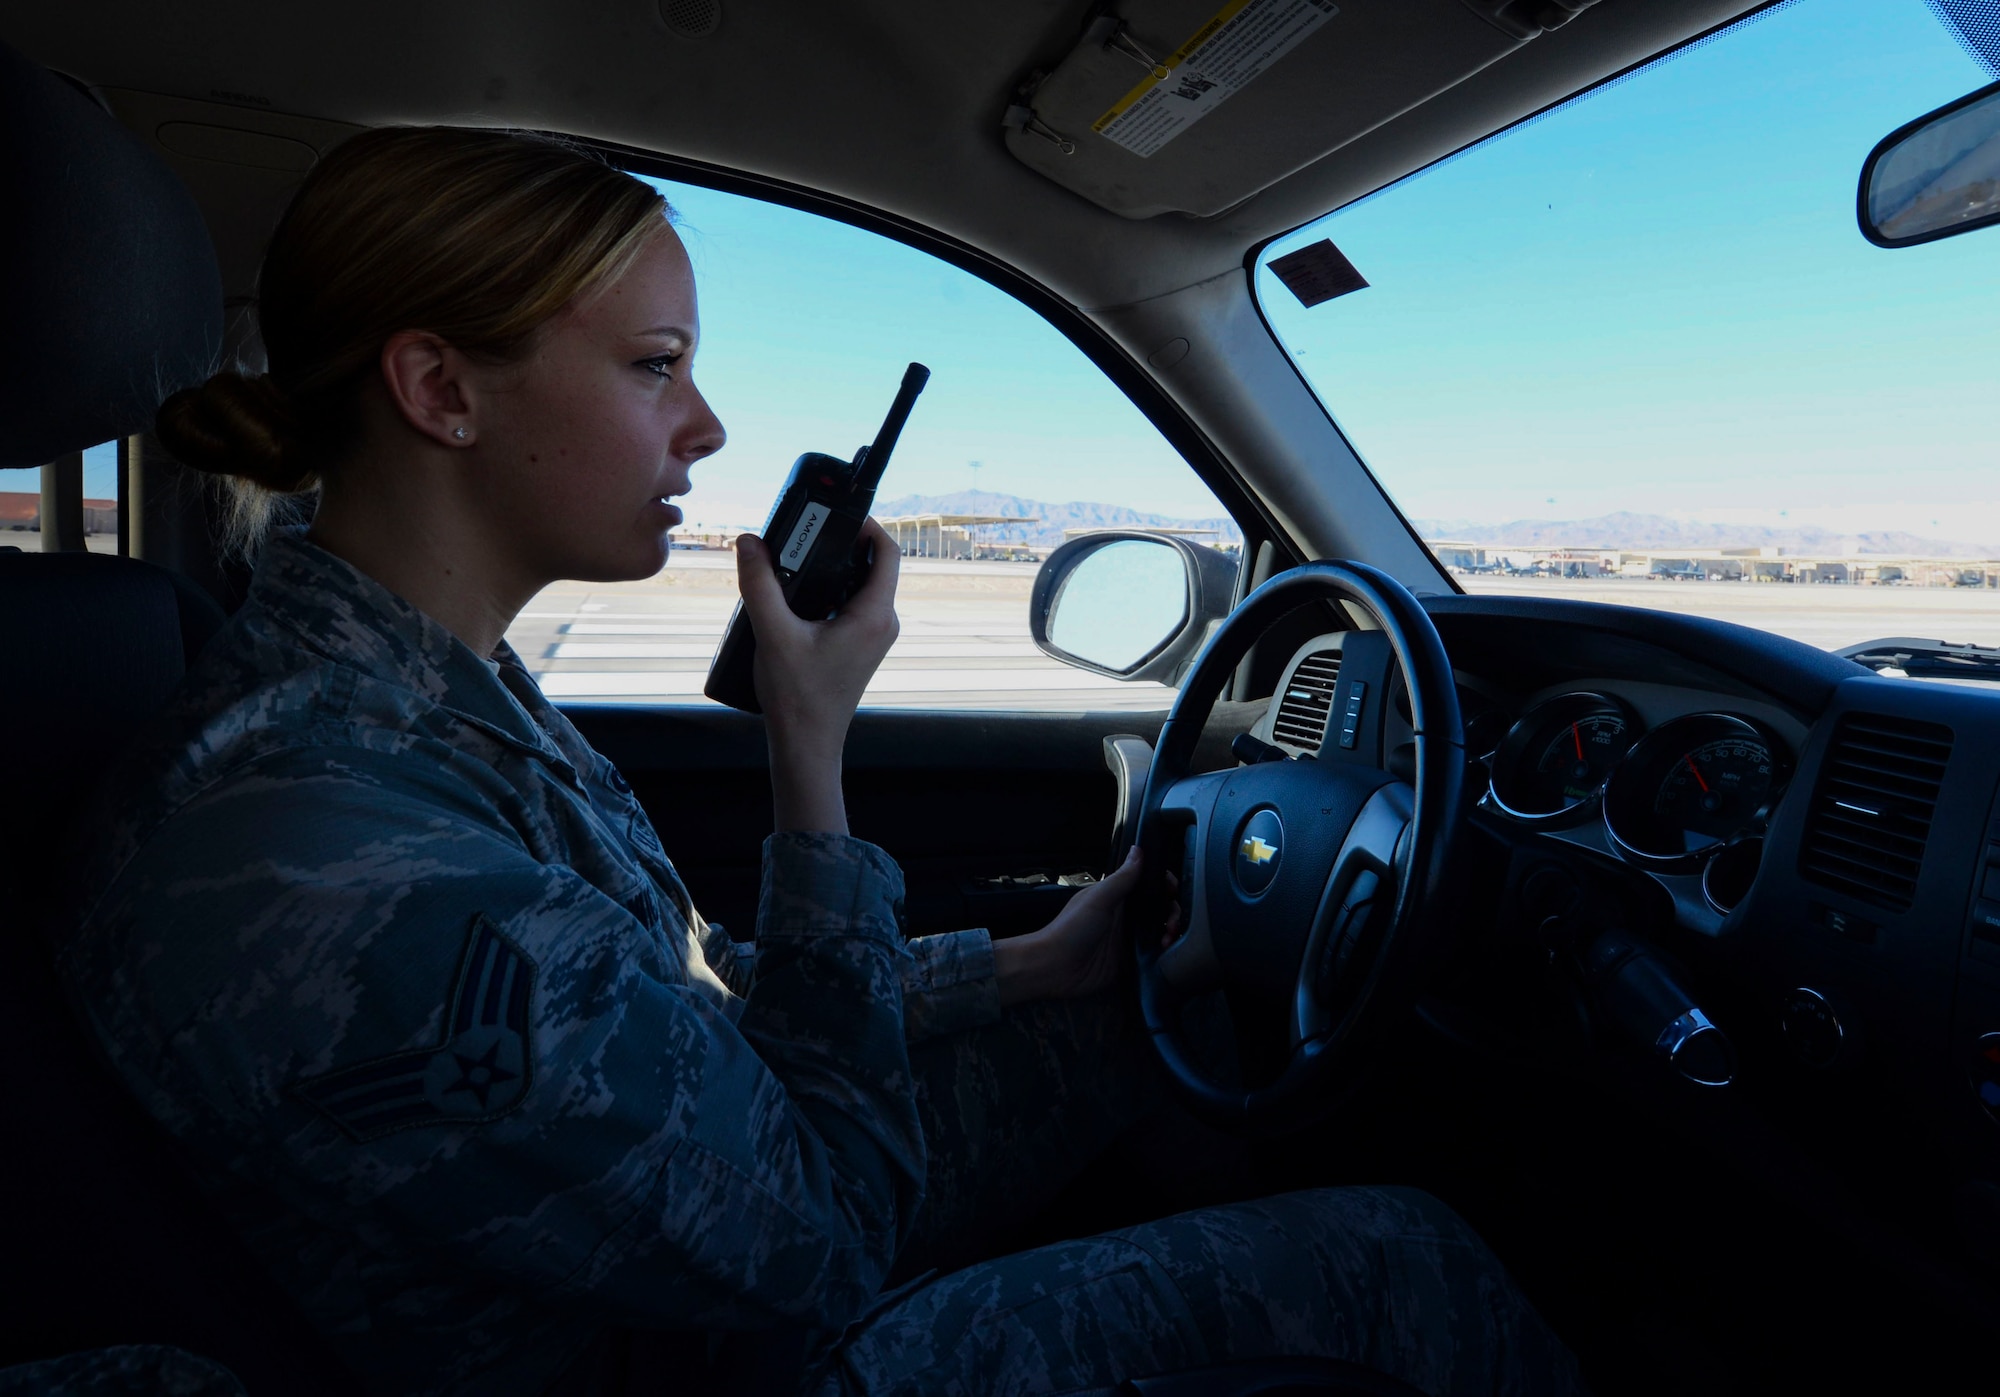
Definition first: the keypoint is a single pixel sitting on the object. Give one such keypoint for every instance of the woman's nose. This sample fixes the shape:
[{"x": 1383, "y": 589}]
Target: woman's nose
[{"x": 702, "y": 434}]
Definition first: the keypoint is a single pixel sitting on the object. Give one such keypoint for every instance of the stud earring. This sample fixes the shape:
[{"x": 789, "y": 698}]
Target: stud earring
[{"x": 458, "y": 432}]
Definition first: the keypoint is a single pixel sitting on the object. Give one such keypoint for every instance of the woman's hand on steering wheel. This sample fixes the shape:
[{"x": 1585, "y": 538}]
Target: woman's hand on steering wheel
[
  {"x": 1085, "y": 949},
  {"x": 810, "y": 675},
  {"x": 1321, "y": 884}
]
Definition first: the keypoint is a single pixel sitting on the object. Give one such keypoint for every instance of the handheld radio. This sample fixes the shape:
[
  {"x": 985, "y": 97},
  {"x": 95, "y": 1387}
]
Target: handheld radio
[{"x": 811, "y": 534}]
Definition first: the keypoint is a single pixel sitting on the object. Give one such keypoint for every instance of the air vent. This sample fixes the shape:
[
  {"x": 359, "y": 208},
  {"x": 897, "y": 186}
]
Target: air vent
[
  {"x": 1307, "y": 701},
  {"x": 1871, "y": 815}
]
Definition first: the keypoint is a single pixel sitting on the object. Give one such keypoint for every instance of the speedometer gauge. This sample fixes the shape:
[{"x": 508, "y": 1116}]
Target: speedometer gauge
[
  {"x": 1556, "y": 757},
  {"x": 1713, "y": 789},
  {"x": 1692, "y": 786}
]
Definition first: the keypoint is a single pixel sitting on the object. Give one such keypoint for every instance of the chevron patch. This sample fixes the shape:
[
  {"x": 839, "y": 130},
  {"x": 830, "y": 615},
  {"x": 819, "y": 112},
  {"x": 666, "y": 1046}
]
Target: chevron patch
[{"x": 479, "y": 1072}]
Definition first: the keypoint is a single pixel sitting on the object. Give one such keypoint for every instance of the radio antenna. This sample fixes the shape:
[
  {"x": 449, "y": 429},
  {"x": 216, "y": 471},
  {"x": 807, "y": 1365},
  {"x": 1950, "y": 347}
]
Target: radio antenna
[{"x": 874, "y": 458}]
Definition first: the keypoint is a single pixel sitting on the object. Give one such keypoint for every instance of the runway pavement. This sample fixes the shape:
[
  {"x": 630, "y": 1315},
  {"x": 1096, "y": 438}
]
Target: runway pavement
[{"x": 965, "y": 642}]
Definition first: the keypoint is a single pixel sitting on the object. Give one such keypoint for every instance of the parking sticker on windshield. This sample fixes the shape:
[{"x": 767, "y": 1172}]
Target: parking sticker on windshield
[
  {"x": 1317, "y": 273},
  {"x": 1239, "y": 41}
]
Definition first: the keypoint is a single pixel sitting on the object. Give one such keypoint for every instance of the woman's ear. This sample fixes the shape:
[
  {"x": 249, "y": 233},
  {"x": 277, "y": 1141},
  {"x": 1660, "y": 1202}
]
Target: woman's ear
[{"x": 426, "y": 379}]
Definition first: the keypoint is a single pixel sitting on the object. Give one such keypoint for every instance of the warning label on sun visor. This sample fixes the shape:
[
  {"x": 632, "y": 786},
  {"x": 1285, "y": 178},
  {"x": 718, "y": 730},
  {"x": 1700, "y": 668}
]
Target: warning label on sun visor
[{"x": 1240, "y": 41}]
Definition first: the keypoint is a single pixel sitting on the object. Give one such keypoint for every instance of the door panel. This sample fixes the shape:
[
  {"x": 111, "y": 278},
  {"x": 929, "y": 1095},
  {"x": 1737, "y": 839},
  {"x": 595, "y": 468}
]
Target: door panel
[{"x": 960, "y": 800}]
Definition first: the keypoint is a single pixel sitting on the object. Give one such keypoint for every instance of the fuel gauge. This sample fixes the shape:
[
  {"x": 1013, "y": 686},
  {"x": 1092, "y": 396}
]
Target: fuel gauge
[{"x": 1578, "y": 758}]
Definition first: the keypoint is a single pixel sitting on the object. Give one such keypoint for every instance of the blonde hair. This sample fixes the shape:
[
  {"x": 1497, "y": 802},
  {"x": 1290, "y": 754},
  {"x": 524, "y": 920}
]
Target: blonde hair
[{"x": 479, "y": 237}]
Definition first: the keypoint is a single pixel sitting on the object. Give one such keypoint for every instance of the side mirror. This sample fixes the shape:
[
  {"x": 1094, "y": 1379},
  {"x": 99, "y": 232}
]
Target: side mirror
[
  {"x": 1937, "y": 177},
  {"x": 1130, "y": 604}
]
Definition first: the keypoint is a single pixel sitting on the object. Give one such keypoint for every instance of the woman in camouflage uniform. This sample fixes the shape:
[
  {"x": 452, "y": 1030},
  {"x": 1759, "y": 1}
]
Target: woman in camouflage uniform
[{"x": 399, "y": 961}]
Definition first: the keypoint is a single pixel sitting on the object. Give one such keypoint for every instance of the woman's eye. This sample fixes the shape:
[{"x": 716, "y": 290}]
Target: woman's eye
[{"x": 660, "y": 365}]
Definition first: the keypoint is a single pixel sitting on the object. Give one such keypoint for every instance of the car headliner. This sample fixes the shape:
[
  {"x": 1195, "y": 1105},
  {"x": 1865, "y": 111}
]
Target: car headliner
[{"x": 889, "y": 103}]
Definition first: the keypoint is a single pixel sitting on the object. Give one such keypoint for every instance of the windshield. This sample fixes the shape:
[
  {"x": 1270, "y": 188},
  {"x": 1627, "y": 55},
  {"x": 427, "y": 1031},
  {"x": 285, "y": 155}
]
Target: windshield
[{"x": 1638, "y": 351}]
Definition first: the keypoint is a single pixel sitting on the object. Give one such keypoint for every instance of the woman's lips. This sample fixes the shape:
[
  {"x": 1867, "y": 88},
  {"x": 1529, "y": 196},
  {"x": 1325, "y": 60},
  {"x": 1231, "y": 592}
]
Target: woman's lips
[{"x": 671, "y": 512}]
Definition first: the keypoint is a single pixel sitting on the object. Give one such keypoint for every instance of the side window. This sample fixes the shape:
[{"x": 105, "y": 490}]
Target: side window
[
  {"x": 22, "y": 525},
  {"x": 1018, "y": 443}
]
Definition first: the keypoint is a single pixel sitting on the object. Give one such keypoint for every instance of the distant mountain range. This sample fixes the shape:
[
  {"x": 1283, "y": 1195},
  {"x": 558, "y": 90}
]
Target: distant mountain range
[
  {"x": 1053, "y": 518},
  {"x": 1642, "y": 531},
  {"x": 1624, "y": 530}
]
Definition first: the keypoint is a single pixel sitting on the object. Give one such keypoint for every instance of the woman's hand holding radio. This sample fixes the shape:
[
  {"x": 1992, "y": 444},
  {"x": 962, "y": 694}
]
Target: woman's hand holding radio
[{"x": 810, "y": 675}]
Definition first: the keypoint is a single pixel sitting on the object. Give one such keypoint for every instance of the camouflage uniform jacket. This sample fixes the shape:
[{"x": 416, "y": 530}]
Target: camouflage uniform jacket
[{"x": 397, "y": 958}]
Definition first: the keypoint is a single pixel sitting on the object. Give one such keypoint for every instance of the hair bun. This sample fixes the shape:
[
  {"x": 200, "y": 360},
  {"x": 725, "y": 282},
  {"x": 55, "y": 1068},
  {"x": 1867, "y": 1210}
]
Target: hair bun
[{"x": 235, "y": 425}]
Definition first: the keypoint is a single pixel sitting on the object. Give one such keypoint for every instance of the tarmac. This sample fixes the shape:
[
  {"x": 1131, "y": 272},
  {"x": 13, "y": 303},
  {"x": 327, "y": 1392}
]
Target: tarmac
[
  {"x": 965, "y": 641},
  {"x": 1828, "y": 615}
]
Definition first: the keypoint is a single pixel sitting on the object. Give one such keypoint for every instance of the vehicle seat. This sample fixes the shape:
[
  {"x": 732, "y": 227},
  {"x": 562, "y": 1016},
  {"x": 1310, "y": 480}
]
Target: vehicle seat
[{"x": 112, "y": 300}]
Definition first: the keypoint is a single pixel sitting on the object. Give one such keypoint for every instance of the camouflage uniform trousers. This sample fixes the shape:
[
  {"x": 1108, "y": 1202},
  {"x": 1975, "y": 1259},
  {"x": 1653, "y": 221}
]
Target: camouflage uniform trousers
[
  {"x": 1389, "y": 1278},
  {"x": 131, "y": 1370}
]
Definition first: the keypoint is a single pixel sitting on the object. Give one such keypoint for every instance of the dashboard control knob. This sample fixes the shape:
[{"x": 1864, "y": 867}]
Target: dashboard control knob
[
  {"x": 1698, "y": 1050},
  {"x": 1640, "y": 996},
  {"x": 1814, "y": 1033}
]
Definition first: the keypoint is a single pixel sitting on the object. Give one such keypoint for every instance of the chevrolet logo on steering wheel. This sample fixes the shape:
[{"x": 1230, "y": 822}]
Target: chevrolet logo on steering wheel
[{"x": 1258, "y": 845}]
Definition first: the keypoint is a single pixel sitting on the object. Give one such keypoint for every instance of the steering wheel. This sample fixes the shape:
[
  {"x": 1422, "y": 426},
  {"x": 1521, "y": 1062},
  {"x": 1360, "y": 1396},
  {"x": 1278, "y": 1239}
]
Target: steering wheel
[{"x": 1309, "y": 882}]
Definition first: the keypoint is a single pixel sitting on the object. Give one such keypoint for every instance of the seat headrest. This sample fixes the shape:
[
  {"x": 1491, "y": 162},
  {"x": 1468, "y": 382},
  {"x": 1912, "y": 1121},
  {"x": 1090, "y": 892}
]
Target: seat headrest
[
  {"x": 110, "y": 297},
  {"x": 94, "y": 646}
]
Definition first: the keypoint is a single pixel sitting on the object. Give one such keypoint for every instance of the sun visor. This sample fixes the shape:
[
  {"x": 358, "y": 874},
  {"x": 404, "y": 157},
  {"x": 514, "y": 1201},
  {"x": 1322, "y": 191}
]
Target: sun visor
[{"x": 1192, "y": 106}]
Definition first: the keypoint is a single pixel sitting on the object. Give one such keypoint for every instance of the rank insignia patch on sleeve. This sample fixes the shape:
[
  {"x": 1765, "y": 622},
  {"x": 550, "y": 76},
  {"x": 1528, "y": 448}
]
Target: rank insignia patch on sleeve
[{"x": 478, "y": 1073}]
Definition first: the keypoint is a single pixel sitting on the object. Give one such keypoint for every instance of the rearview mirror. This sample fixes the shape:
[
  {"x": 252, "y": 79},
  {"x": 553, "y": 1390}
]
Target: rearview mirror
[
  {"x": 1130, "y": 603},
  {"x": 1937, "y": 177}
]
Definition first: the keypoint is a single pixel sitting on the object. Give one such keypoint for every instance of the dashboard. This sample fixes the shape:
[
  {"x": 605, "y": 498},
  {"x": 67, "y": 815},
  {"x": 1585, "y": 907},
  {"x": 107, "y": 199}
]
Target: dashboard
[
  {"x": 1679, "y": 783},
  {"x": 1815, "y": 847},
  {"x": 1656, "y": 776}
]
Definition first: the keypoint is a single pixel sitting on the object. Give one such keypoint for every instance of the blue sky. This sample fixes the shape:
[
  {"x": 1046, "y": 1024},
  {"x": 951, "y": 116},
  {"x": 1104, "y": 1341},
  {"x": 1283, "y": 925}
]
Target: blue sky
[
  {"x": 100, "y": 475},
  {"x": 806, "y": 327},
  {"x": 1657, "y": 299}
]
